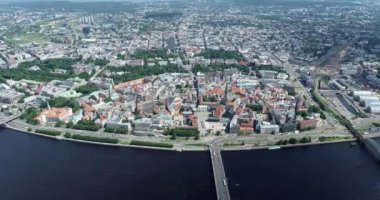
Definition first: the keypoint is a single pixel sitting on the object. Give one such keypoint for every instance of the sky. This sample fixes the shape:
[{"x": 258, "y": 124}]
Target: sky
[{"x": 2, "y": 1}]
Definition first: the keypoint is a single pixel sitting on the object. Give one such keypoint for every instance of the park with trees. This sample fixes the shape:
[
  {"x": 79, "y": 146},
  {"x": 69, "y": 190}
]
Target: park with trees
[
  {"x": 48, "y": 132},
  {"x": 212, "y": 68},
  {"x": 151, "y": 144},
  {"x": 221, "y": 54},
  {"x": 86, "y": 89},
  {"x": 30, "y": 114},
  {"x": 87, "y": 125},
  {"x": 179, "y": 132},
  {"x": 61, "y": 102},
  {"x": 132, "y": 73},
  {"x": 46, "y": 70}
]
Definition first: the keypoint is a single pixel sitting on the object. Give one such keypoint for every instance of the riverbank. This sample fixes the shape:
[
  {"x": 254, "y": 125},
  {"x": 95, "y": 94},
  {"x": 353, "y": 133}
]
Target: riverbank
[
  {"x": 289, "y": 146},
  {"x": 181, "y": 148},
  {"x": 89, "y": 142}
]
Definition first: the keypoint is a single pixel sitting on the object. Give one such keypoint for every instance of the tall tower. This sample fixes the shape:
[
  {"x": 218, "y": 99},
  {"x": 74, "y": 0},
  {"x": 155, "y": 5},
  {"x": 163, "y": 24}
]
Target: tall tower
[
  {"x": 48, "y": 106},
  {"x": 109, "y": 91}
]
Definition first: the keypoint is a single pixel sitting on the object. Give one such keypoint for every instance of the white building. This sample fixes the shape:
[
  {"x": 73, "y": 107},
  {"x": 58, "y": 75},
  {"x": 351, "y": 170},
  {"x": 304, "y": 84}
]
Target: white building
[
  {"x": 368, "y": 102},
  {"x": 338, "y": 85},
  {"x": 372, "y": 98},
  {"x": 269, "y": 129},
  {"x": 375, "y": 103},
  {"x": 374, "y": 109},
  {"x": 142, "y": 126},
  {"x": 356, "y": 94}
]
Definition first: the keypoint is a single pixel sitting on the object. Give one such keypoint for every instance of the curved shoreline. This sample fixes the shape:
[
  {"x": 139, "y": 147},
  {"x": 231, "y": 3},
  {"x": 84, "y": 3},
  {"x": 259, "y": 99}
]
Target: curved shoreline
[
  {"x": 87, "y": 142},
  {"x": 239, "y": 148},
  {"x": 290, "y": 146}
]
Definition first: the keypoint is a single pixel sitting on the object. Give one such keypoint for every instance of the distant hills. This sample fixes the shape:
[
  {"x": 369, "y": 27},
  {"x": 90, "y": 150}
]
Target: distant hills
[{"x": 94, "y": 6}]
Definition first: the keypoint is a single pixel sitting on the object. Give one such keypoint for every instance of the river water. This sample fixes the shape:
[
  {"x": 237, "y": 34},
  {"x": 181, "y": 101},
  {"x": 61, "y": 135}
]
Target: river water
[
  {"x": 331, "y": 172},
  {"x": 33, "y": 167}
]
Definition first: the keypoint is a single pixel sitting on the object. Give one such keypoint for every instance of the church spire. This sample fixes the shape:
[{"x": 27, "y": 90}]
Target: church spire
[{"x": 48, "y": 106}]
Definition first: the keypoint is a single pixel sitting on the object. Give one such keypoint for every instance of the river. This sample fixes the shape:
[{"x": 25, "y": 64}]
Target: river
[
  {"x": 330, "y": 171},
  {"x": 34, "y": 167}
]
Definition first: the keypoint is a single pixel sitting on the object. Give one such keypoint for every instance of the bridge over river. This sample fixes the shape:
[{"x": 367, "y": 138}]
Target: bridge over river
[
  {"x": 6, "y": 119},
  {"x": 221, "y": 184}
]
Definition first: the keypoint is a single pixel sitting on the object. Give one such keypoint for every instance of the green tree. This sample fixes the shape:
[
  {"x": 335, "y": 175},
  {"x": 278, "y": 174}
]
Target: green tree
[
  {"x": 101, "y": 62},
  {"x": 84, "y": 75},
  {"x": 305, "y": 140},
  {"x": 302, "y": 114},
  {"x": 108, "y": 99},
  {"x": 323, "y": 116},
  {"x": 93, "y": 97},
  {"x": 255, "y": 107},
  {"x": 293, "y": 141},
  {"x": 2, "y": 79},
  {"x": 60, "y": 124},
  {"x": 30, "y": 114},
  {"x": 67, "y": 135},
  {"x": 120, "y": 56},
  {"x": 196, "y": 137},
  {"x": 86, "y": 89},
  {"x": 70, "y": 124},
  {"x": 222, "y": 54},
  {"x": 174, "y": 136},
  {"x": 61, "y": 102}
]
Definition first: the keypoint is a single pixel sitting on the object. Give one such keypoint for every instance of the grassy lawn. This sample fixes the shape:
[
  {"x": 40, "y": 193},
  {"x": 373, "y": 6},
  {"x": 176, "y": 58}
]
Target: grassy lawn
[
  {"x": 183, "y": 139},
  {"x": 28, "y": 38},
  {"x": 125, "y": 142},
  {"x": 334, "y": 138},
  {"x": 151, "y": 144},
  {"x": 179, "y": 139},
  {"x": 197, "y": 145},
  {"x": 232, "y": 144},
  {"x": 33, "y": 38}
]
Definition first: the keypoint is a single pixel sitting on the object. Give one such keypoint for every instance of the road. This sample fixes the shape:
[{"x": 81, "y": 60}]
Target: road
[
  {"x": 124, "y": 137},
  {"x": 221, "y": 184},
  {"x": 6, "y": 119},
  {"x": 289, "y": 68}
]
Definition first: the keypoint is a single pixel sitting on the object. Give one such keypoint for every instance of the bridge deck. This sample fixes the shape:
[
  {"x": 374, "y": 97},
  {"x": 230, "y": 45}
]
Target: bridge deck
[
  {"x": 4, "y": 120},
  {"x": 221, "y": 184}
]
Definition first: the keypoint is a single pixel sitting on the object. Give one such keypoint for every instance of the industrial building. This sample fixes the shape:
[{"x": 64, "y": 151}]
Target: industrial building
[
  {"x": 356, "y": 94},
  {"x": 363, "y": 99},
  {"x": 368, "y": 102},
  {"x": 375, "y": 103},
  {"x": 337, "y": 85},
  {"x": 374, "y": 109}
]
